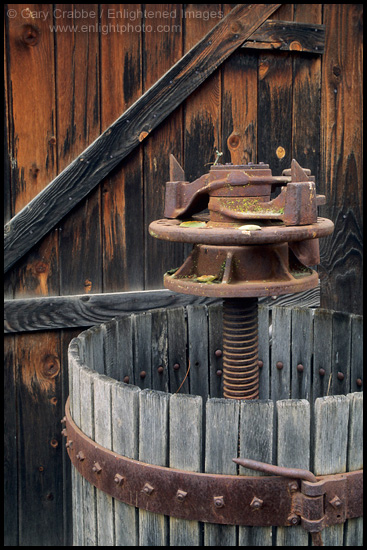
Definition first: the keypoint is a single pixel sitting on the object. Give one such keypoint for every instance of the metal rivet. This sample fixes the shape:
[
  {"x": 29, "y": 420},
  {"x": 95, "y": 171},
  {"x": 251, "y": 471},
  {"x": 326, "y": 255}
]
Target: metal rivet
[
  {"x": 300, "y": 368},
  {"x": 279, "y": 365},
  {"x": 219, "y": 372},
  {"x": 69, "y": 444},
  {"x": 359, "y": 382},
  {"x": 219, "y": 502},
  {"x": 80, "y": 456},
  {"x": 119, "y": 479},
  {"x": 63, "y": 420},
  {"x": 335, "y": 502},
  {"x": 181, "y": 495},
  {"x": 64, "y": 432},
  {"x": 148, "y": 489},
  {"x": 218, "y": 353},
  {"x": 293, "y": 519},
  {"x": 260, "y": 364},
  {"x": 176, "y": 366},
  {"x": 97, "y": 468},
  {"x": 340, "y": 376},
  {"x": 126, "y": 379},
  {"x": 160, "y": 369},
  {"x": 293, "y": 486},
  {"x": 256, "y": 503},
  {"x": 143, "y": 374},
  {"x": 322, "y": 372}
]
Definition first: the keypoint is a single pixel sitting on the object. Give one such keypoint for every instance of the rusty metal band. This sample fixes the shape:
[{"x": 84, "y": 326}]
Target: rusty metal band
[{"x": 214, "y": 498}]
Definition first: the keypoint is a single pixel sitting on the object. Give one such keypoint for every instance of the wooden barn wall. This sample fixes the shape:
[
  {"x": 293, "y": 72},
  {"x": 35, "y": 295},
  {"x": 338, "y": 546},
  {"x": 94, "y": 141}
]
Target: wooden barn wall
[{"x": 66, "y": 89}]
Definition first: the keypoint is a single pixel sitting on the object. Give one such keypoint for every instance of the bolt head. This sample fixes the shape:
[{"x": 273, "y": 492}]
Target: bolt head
[
  {"x": 126, "y": 380},
  {"x": 148, "y": 489},
  {"x": 219, "y": 372},
  {"x": 279, "y": 365},
  {"x": 335, "y": 502},
  {"x": 80, "y": 456},
  {"x": 119, "y": 479},
  {"x": 181, "y": 495},
  {"x": 340, "y": 376},
  {"x": 359, "y": 382},
  {"x": 97, "y": 468},
  {"x": 293, "y": 519},
  {"x": 218, "y": 353},
  {"x": 256, "y": 503},
  {"x": 260, "y": 364},
  {"x": 300, "y": 368},
  {"x": 160, "y": 369},
  {"x": 176, "y": 366},
  {"x": 143, "y": 374},
  {"x": 322, "y": 372},
  {"x": 219, "y": 502},
  {"x": 293, "y": 486}
]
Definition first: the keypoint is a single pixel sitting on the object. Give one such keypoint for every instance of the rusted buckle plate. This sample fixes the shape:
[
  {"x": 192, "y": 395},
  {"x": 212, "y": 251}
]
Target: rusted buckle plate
[{"x": 213, "y": 498}]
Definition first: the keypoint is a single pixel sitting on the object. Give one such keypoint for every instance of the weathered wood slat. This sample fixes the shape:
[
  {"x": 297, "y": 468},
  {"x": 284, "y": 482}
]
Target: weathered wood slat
[
  {"x": 322, "y": 352},
  {"x": 341, "y": 350},
  {"x": 153, "y": 448},
  {"x": 125, "y": 413},
  {"x": 356, "y": 359},
  {"x": 293, "y": 451},
  {"x": 185, "y": 453},
  {"x": 256, "y": 443},
  {"x": 86, "y": 390},
  {"x": 281, "y": 353},
  {"x": 264, "y": 352},
  {"x": 288, "y": 35},
  {"x": 159, "y": 345},
  {"x": 354, "y": 527},
  {"x": 197, "y": 323},
  {"x": 177, "y": 353},
  {"x": 330, "y": 448},
  {"x": 142, "y": 346},
  {"x": 308, "y": 298},
  {"x": 54, "y": 312},
  {"x": 215, "y": 322},
  {"x": 86, "y": 171},
  {"x": 103, "y": 436},
  {"x": 302, "y": 349}
]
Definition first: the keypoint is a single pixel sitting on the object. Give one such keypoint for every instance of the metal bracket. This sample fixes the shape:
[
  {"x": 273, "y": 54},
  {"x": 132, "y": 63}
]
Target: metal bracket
[{"x": 276, "y": 500}]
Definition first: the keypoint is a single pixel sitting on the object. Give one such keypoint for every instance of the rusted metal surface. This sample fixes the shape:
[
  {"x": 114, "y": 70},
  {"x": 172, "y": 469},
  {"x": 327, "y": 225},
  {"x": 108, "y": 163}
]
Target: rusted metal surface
[
  {"x": 231, "y": 259},
  {"x": 240, "y": 346},
  {"x": 279, "y": 500}
]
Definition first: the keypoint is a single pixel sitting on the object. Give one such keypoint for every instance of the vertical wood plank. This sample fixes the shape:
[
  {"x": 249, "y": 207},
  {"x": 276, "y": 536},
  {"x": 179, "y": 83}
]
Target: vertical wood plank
[
  {"x": 89, "y": 497},
  {"x": 153, "y": 448},
  {"x": 256, "y": 443},
  {"x": 215, "y": 320},
  {"x": 341, "y": 353},
  {"x": 356, "y": 360},
  {"x": 323, "y": 338},
  {"x": 330, "y": 448},
  {"x": 161, "y": 51},
  {"x": 177, "y": 342},
  {"x": 293, "y": 451},
  {"x": 280, "y": 353},
  {"x": 110, "y": 343},
  {"x": 103, "y": 436},
  {"x": 185, "y": 433},
  {"x": 264, "y": 352},
  {"x": 142, "y": 327},
  {"x": 76, "y": 478},
  {"x": 341, "y": 140},
  {"x": 10, "y": 446},
  {"x": 354, "y": 527},
  {"x": 122, "y": 192},
  {"x": 221, "y": 432},
  {"x": 306, "y": 98},
  {"x": 124, "y": 350},
  {"x": 197, "y": 323},
  {"x": 239, "y": 105},
  {"x": 159, "y": 350},
  {"x": 78, "y": 125},
  {"x": 274, "y": 140},
  {"x": 125, "y": 424},
  {"x": 302, "y": 349}
]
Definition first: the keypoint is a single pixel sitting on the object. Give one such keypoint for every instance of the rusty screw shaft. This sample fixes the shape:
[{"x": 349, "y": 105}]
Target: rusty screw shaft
[{"x": 240, "y": 348}]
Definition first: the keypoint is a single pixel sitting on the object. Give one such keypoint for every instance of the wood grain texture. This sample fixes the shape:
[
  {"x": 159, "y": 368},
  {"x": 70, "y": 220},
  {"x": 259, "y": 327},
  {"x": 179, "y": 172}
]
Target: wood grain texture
[
  {"x": 87, "y": 170},
  {"x": 302, "y": 349},
  {"x": 185, "y": 432},
  {"x": 221, "y": 423},
  {"x": 330, "y": 448},
  {"x": 197, "y": 325},
  {"x": 256, "y": 443},
  {"x": 354, "y": 527},
  {"x": 281, "y": 353},
  {"x": 80, "y": 311},
  {"x": 341, "y": 146},
  {"x": 293, "y": 451}
]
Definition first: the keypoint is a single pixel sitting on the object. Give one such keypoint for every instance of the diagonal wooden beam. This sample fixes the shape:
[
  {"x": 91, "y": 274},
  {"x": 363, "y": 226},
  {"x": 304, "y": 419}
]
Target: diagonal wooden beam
[{"x": 41, "y": 214}]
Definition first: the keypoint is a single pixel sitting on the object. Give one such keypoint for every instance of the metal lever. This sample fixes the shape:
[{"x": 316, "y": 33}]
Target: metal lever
[{"x": 295, "y": 473}]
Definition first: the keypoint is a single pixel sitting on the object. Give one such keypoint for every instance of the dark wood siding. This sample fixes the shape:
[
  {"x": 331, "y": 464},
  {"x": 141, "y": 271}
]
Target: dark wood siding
[{"x": 62, "y": 90}]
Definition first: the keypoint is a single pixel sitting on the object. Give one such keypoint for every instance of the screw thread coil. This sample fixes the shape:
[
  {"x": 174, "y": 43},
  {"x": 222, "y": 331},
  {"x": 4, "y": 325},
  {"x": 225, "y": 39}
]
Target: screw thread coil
[{"x": 240, "y": 348}]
